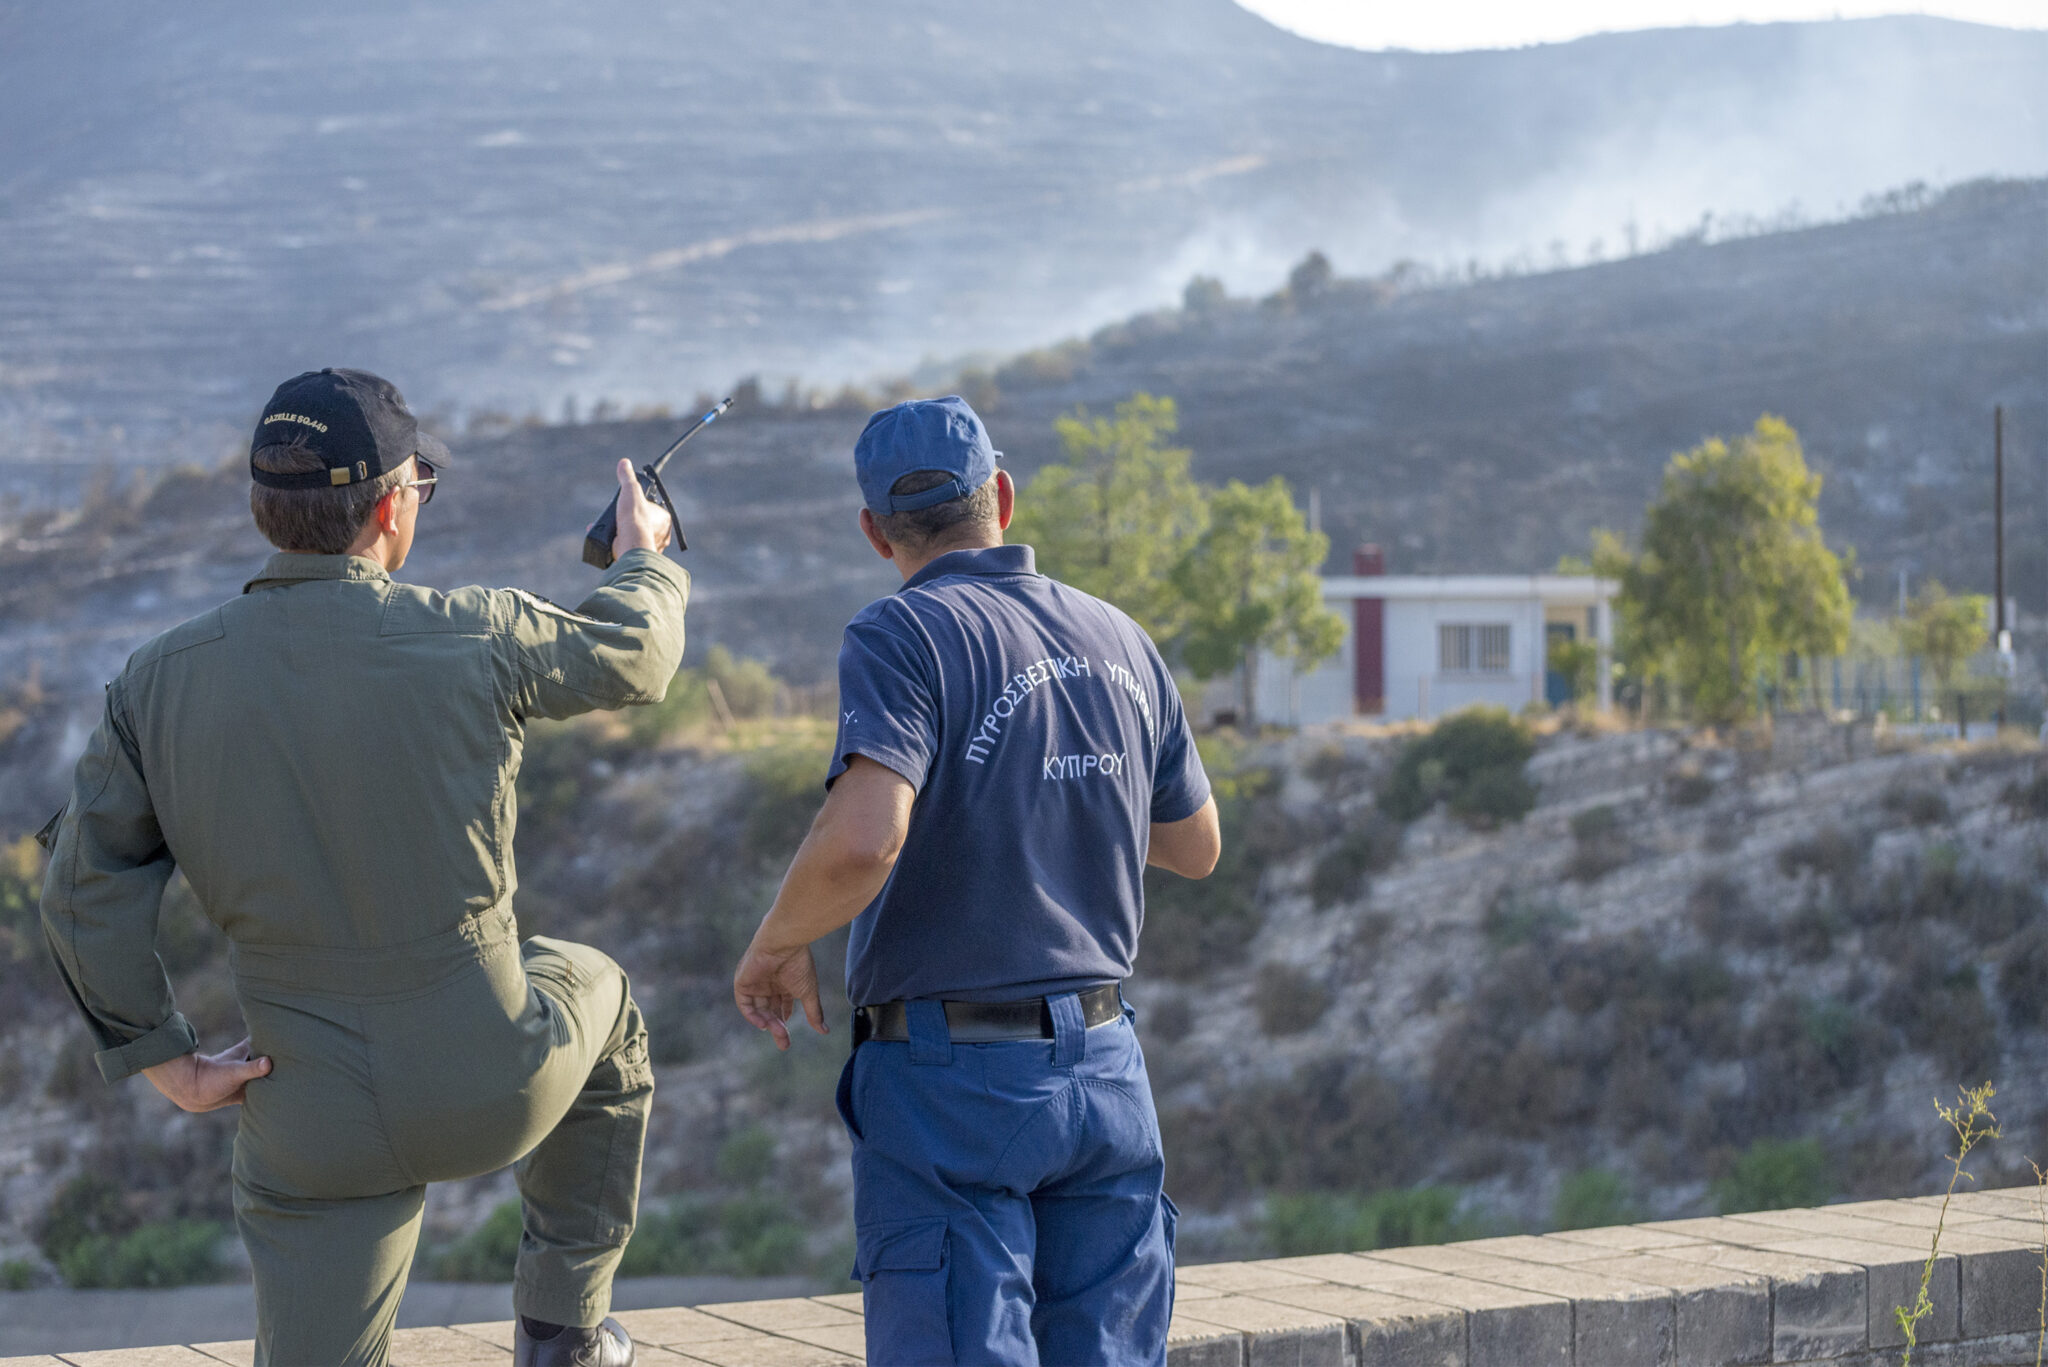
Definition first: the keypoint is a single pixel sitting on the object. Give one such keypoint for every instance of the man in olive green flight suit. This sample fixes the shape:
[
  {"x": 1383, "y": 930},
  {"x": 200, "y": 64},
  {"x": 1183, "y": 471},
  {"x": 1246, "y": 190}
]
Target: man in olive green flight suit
[{"x": 330, "y": 760}]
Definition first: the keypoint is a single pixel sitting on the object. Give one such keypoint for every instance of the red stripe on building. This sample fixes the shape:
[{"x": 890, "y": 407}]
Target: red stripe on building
[{"x": 1369, "y": 638}]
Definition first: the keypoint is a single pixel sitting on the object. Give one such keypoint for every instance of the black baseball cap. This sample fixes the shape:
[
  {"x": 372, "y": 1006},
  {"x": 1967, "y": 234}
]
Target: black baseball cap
[{"x": 355, "y": 421}]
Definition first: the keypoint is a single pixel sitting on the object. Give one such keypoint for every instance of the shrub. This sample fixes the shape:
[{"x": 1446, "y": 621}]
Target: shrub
[
  {"x": 1370, "y": 847},
  {"x": 1287, "y": 1000},
  {"x": 1922, "y": 806},
  {"x": 1803, "y": 1054},
  {"x": 96, "y": 1240},
  {"x": 1472, "y": 761},
  {"x": 2023, "y": 977},
  {"x": 1939, "y": 1007},
  {"x": 747, "y": 686},
  {"x": 1688, "y": 789},
  {"x": 1193, "y": 926},
  {"x": 1940, "y": 887},
  {"x": 1598, "y": 845},
  {"x": 2029, "y": 800},
  {"x": 1515, "y": 919},
  {"x": 1830, "y": 853},
  {"x": 1776, "y": 1174},
  {"x": 158, "y": 1254},
  {"x": 1591, "y": 1198},
  {"x": 1347, "y": 1222},
  {"x": 1722, "y": 914},
  {"x": 1330, "y": 1126},
  {"x": 25, "y": 970},
  {"x": 487, "y": 1253}
]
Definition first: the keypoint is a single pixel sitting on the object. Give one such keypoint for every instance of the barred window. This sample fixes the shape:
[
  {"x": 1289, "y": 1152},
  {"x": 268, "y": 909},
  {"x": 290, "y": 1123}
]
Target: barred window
[
  {"x": 1493, "y": 649},
  {"x": 1465, "y": 648},
  {"x": 1453, "y": 649}
]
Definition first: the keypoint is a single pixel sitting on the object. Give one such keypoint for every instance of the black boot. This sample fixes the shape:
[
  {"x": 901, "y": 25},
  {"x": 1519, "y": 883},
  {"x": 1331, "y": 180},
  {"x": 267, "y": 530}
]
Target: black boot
[{"x": 608, "y": 1345}]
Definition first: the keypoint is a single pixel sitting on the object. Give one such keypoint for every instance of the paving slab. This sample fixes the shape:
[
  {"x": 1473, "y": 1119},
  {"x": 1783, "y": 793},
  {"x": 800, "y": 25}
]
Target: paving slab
[
  {"x": 1451, "y": 1258},
  {"x": 778, "y": 1316},
  {"x": 1386, "y": 1330},
  {"x": 1532, "y": 1248},
  {"x": 1276, "y": 1334},
  {"x": 1819, "y": 1308},
  {"x": 679, "y": 1328},
  {"x": 844, "y": 1300},
  {"x": 170, "y": 1355},
  {"x": 1615, "y": 1323},
  {"x": 1705, "y": 1229},
  {"x": 1719, "y": 1316},
  {"x": 1237, "y": 1276},
  {"x": 498, "y": 1332},
  {"x": 849, "y": 1339},
  {"x": 1892, "y": 1281},
  {"x": 241, "y": 1352},
  {"x": 2012, "y": 1203},
  {"x": 1191, "y": 1342},
  {"x": 766, "y": 1350},
  {"x": 1910, "y": 1212},
  {"x": 1626, "y": 1238},
  {"x": 440, "y": 1347},
  {"x": 32, "y": 1362},
  {"x": 1327, "y": 1267},
  {"x": 1505, "y": 1326}
]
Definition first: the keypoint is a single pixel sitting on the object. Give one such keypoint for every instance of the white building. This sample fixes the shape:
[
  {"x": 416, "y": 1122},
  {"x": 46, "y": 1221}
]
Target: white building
[{"x": 1432, "y": 644}]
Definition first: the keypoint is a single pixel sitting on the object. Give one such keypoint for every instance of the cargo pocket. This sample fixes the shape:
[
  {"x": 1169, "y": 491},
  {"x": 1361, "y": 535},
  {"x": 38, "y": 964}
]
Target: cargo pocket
[
  {"x": 47, "y": 836},
  {"x": 902, "y": 1269}
]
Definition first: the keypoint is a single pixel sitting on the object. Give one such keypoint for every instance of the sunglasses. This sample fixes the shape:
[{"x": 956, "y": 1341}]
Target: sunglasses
[{"x": 426, "y": 483}]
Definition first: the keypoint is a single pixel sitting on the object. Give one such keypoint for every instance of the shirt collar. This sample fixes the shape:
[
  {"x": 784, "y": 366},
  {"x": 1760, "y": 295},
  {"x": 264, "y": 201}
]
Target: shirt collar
[
  {"x": 984, "y": 560},
  {"x": 291, "y": 567}
]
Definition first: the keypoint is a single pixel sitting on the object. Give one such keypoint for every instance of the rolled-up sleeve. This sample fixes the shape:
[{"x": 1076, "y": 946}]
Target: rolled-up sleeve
[
  {"x": 101, "y": 899},
  {"x": 620, "y": 646}
]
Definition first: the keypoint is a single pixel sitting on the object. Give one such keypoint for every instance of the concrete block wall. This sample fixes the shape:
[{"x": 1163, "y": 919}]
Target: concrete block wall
[{"x": 1796, "y": 1287}]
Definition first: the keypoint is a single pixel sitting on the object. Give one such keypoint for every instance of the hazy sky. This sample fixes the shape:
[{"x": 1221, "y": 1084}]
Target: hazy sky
[{"x": 1451, "y": 25}]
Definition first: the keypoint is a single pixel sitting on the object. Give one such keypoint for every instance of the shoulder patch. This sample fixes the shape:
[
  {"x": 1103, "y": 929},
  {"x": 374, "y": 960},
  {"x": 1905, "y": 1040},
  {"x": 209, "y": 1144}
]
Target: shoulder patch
[{"x": 551, "y": 608}]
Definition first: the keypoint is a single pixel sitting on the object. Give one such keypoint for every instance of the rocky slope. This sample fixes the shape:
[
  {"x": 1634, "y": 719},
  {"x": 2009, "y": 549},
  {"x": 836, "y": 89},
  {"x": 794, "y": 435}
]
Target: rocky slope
[{"x": 1694, "y": 959}]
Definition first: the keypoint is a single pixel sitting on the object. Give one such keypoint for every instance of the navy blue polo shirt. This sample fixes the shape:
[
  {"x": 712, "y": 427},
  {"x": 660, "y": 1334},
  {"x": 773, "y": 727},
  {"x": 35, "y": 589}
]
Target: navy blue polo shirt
[{"x": 1043, "y": 735}]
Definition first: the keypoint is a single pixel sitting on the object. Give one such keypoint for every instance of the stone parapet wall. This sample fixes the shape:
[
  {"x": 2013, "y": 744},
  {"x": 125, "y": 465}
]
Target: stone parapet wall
[{"x": 1795, "y": 1286}]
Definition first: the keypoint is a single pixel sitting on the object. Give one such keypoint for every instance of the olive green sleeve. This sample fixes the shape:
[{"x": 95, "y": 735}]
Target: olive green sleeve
[
  {"x": 621, "y": 645},
  {"x": 108, "y": 868}
]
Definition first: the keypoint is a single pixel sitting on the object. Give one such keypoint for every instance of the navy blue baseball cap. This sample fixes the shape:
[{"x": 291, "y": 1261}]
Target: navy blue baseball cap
[
  {"x": 922, "y": 434},
  {"x": 356, "y": 422}
]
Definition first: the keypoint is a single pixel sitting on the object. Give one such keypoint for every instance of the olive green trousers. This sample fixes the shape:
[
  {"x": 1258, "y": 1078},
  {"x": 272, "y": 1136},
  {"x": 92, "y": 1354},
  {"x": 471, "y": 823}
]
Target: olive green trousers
[{"x": 441, "y": 1059}]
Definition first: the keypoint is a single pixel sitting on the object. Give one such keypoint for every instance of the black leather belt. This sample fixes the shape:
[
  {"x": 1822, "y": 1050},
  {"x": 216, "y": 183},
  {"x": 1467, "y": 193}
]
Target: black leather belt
[{"x": 987, "y": 1022}]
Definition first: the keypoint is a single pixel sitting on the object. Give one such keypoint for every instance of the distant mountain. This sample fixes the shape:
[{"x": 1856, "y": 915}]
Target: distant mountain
[
  {"x": 1492, "y": 427},
  {"x": 506, "y": 204},
  {"x": 1484, "y": 427}
]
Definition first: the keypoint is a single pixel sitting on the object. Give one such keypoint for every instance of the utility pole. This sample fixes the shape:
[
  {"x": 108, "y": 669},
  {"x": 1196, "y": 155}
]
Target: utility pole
[{"x": 2004, "y": 637}]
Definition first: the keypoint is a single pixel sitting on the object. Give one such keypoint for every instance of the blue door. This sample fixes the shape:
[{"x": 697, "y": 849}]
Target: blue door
[{"x": 1557, "y": 685}]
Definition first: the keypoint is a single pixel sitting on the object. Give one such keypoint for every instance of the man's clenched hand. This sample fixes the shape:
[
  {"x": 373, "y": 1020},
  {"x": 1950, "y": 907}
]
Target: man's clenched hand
[
  {"x": 207, "y": 1082},
  {"x": 642, "y": 522}
]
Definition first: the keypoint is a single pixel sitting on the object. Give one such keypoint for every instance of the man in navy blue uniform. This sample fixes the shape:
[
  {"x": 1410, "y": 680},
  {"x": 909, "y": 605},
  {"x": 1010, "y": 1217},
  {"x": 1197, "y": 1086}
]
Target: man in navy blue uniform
[{"x": 1011, "y": 754}]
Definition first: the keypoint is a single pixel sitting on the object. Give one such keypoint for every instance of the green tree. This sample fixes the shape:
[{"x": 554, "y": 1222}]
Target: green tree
[
  {"x": 1733, "y": 574},
  {"x": 1249, "y": 585},
  {"x": 1943, "y": 629},
  {"x": 1119, "y": 511}
]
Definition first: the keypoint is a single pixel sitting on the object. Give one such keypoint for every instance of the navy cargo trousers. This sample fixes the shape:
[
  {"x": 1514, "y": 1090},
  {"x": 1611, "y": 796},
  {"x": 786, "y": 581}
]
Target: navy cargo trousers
[{"x": 1008, "y": 1206}]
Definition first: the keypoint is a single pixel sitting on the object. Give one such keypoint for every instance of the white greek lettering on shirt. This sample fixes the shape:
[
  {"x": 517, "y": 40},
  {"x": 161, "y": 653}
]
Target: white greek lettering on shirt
[
  {"x": 1083, "y": 766},
  {"x": 1052, "y": 669},
  {"x": 1128, "y": 681}
]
